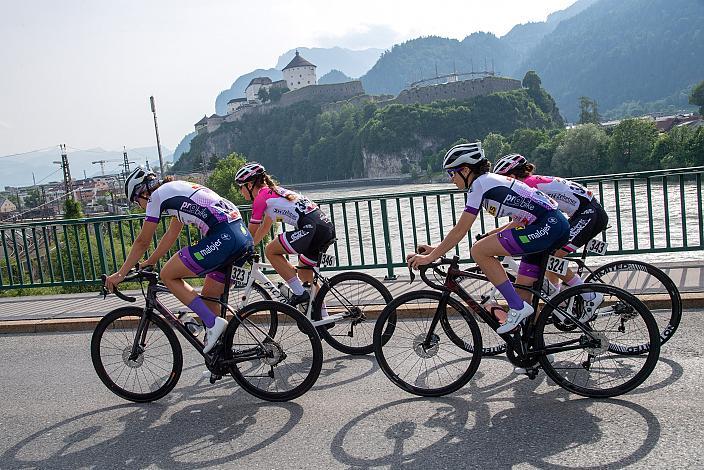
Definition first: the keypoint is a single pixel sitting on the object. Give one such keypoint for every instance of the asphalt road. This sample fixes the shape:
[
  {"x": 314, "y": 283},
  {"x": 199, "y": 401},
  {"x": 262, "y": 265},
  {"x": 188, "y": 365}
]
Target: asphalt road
[{"x": 55, "y": 413}]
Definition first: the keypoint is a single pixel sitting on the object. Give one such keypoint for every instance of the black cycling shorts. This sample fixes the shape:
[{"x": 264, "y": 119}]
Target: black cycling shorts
[
  {"x": 314, "y": 231},
  {"x": 586, "y": 223}
]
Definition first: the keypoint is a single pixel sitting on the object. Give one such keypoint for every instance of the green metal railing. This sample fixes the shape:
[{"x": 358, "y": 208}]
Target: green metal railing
[{"x": 650, "y": 212}]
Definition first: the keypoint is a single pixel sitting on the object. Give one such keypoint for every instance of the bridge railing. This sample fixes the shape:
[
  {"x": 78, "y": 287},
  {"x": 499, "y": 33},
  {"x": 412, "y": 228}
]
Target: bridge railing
[{"x": 650, "y": 212}]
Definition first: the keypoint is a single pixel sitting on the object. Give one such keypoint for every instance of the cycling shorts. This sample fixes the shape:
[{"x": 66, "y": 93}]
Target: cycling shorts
[
  {"x": 314, "y": 231},
  {"x": 223, "y": 242},
  {"x": 547, "y": 233},
  {"x": 586, "y": 223}
]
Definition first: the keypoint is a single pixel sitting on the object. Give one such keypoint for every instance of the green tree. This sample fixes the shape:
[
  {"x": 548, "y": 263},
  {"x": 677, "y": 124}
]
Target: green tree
[
  {"x": 582, "y": 152},
  {"x": 526, "y": 141},
  {"x": 72, "y": 209},
  {"x": 588, "y": 111},
  {"x": 495, "y": 146},
  {"x": 275, "y": 94},
  {"x": 696, "y": 97},
  {"x": 222, "y": 179},
  {"x": 632, "y": 145},
  {"x": 263, "y": 94},
  {"x": 33, "y": 198},
  {"x": 531, "y": 80}
]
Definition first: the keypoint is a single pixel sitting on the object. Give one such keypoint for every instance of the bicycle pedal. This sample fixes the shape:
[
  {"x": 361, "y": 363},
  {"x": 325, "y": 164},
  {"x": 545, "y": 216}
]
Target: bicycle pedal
[{"x": 214, "y": 378}]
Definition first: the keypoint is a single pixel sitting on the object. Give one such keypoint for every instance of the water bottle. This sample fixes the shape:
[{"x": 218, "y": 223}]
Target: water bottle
[{"x": 190, "y": 322}]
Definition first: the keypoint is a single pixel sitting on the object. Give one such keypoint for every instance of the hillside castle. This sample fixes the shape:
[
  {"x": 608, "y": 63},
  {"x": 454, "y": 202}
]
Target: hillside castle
[{"x": 300, "y": 84}]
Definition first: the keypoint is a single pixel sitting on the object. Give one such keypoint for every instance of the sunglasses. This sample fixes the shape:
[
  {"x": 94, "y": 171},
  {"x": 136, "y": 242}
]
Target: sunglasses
[{"x": 451, "y": 173}]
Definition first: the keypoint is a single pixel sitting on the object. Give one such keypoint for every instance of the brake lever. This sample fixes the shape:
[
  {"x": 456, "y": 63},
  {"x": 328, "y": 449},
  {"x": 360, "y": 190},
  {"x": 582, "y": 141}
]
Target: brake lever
[{"x": 411, "y": 274}]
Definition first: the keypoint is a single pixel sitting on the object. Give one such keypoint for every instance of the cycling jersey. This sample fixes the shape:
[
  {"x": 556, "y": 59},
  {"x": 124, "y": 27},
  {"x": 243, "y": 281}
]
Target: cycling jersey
[
  {"x": 276, "y": 204},
  {"x": 568, "y": 194},
  {"x": 192, "y": 204},
  {"x": 502, "y": 196}
]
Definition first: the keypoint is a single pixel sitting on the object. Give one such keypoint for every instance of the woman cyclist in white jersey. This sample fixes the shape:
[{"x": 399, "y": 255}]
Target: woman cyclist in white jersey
[
  {"x": 538, "y": 226},
  {"x": 224, "y": 237},
  {"x": 271, "y": 203},
  {"x": 587, "y": 217}
]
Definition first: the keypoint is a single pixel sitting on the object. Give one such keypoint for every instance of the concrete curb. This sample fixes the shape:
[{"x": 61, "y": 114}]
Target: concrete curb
[{"x": 63, "y": 325}]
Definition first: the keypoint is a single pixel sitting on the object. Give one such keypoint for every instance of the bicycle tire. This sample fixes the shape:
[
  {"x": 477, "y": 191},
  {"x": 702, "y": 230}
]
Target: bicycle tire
[
  {"x": 570, "y": 366},
  {"x": 269, "y": 385},
  {"x": 667, "y": 323},
  {"x": 122, "y": 341},
  {"x": 410, "y": 337},
  {"x": 354, "y": 335}
]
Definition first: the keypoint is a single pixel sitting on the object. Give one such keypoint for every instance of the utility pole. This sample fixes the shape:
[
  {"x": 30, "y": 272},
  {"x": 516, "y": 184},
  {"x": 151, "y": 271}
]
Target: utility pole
[
  {"x": 147, "y": 162},
  {"x": 68, "y": 185},
  {"x": 126, "y": 163},
  {"x": 158, "y": 144}
]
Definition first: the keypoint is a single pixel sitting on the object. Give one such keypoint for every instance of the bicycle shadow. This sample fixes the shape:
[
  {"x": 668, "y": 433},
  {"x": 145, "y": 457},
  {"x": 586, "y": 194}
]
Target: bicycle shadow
[
  {"x": 337, "y": 370},
  {"x": 541, "y": 429},
  {"x": 132, "y": 435}
]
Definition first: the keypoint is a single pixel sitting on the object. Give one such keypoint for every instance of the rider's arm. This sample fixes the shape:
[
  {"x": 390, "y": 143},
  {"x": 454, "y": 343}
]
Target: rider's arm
[
  {"x": 261, "y": 229},
  {"x": 139, "y": 247},
  {"x": 455, "y": 235},
  {"x": 166, "y": 242}
]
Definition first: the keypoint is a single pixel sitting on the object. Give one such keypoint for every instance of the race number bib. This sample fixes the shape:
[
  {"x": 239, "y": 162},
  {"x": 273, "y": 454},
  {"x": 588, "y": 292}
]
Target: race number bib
[
  {"x": 240, "y": 276},
  {"x": 597, "y": 246},
  {"x": 557, "y": 265},
  {"x": 327, "y": 260}
]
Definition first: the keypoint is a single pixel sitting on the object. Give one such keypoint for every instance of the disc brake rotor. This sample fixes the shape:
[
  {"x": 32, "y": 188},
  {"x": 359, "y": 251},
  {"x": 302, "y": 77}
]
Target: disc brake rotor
[
  {"x": 603, "y": 346},
  {"x": 274, "y": 354},
  {"x": 126, "y": 358},
  {"x": 424, "y": 349}
]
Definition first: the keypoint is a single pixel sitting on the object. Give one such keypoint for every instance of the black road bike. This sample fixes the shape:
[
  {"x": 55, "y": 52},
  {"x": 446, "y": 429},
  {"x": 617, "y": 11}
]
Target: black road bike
[
  {"x": 270, "y": 349},
  {"x": 435, "y": 345}
]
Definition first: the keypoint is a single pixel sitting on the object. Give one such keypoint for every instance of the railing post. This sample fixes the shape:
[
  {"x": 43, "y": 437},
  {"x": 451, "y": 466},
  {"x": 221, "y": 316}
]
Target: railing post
[
  {"x": 387, "y": 242},
  {"x": 101, "y": 249}
]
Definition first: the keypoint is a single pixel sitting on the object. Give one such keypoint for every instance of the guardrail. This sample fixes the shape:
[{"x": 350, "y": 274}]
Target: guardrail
[{"x": 655, "y": 211}]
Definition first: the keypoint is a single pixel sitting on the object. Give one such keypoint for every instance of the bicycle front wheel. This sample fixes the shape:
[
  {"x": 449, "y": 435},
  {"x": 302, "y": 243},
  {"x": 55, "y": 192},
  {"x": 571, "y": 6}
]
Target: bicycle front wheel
[
  {"x": 149, "y": 376},
  {"x": 593, "y": 363},
  {"x": 360, "y": 298},
  {"x": 651, "y": 285},
  {"x": 277, "y": 367},
  {"x": 423, "y": 362}
]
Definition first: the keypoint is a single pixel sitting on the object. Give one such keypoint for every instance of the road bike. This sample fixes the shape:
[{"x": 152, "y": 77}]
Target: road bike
[
  {"x": 352, "y": 300},
  {"x": 435, "y": 345},
  {"x": 137, "y": 355}
]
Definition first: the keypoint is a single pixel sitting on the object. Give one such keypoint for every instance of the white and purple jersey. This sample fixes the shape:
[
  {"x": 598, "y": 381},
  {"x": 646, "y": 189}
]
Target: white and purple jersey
[
  {"x": 568, "y": 194},
  {"x": 502, "y": 196},
  {"x": 192, "y": 204},
  {"x": 276, "y": 204}
]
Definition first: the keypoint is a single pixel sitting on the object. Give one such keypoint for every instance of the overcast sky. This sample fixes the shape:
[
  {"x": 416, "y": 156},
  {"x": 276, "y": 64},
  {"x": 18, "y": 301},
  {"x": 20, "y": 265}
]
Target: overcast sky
[{"x": 81, "y": 72}]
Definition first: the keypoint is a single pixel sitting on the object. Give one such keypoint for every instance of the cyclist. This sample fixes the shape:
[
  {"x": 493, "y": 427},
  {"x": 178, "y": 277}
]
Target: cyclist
[
  {"x": 587, "y": 218},
  {"x": 313, "y": 229},
  {"x": 224, "y": 237},
  {"x": 537, "y": 226}
]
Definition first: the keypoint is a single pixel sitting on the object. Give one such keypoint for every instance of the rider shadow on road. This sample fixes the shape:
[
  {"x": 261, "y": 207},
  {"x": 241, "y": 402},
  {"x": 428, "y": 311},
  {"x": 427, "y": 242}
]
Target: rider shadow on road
[
  {"x": 206, "y": 431},
  {"x": 484, "y": 428}
]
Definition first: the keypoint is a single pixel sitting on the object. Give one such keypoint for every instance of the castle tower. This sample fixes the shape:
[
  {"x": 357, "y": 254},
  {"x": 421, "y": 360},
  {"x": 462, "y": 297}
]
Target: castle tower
[{"x": 299, "y": 73}]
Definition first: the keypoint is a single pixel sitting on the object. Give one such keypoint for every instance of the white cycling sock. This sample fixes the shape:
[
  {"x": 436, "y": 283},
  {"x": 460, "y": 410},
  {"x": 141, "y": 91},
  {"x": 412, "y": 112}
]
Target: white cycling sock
[
  {"x": 324, "y": 311},
  {"x": 296, "y": 286},
  {"x": 577, "y": 281}
]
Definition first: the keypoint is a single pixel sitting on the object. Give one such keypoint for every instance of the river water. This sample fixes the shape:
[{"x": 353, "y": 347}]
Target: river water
[{"x": 432, "y": 218}]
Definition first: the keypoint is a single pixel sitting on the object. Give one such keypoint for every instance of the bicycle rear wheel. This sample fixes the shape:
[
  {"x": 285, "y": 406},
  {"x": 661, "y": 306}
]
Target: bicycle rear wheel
[
  {"x": 651, "y": 285},
  {"x": 418, "y": 361},
  {"x": 154, "y": 372},
  {"x": 358, "y": 296},
  {"x": 275, "y": 367},
  {"x": 597, "y": 367}
]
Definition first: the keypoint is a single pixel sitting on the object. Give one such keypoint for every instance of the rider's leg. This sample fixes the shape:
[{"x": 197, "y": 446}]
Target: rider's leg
[
  {"x": 172, "y": 275},
  {"x": 275, "y": 252}
]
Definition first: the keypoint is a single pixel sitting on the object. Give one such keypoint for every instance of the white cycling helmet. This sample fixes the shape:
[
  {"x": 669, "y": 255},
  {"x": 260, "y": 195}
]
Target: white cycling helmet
[
  {"x": 468, "y": 154},
  {"x": 508, "y": 162},
  {"x": 136, "y": 182},
  {"x": 248, "y": 171}
]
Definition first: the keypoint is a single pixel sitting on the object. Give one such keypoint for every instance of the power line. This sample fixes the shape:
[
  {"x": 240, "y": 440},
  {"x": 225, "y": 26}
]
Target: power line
[{"x": 26, "y": 153}]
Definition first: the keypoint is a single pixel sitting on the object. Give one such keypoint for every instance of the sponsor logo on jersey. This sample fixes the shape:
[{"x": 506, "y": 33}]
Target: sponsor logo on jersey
[
  {"x": 564, "y": 198},
  {"x": 578, "y": 227},
  {"x": 195, "y": 210},
  {"x": 209, "y": 248},
  {"x": 588, "y": 211},
  {"x": 535, "y": 235},
  {"x": 226, "y": 236},
  {"x": 552, "y": 220},
  {"x": 519, "y": 202}
]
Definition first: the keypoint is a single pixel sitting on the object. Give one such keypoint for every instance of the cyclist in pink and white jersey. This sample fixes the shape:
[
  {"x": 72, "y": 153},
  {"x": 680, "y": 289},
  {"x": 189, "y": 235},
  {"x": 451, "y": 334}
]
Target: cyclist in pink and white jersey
[
  {"x": 587, "y": 217},
  {"x": 272, "y": 203}
]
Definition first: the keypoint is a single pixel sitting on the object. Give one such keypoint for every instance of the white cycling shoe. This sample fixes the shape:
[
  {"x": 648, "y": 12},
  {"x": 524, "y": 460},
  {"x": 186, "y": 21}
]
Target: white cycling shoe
[
  {"x": 590, "y": 307},
  {"x": 515, "y": 317},
  {"x": 212, "y": 334}
]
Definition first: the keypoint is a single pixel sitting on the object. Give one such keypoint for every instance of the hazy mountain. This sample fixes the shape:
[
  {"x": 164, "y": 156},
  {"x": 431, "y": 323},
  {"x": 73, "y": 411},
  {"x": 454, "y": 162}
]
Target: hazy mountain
[
  {"x": 183, "y": 146},
  {"x": 17, "y": 171},
  {"x": 333, "y": 76},
  {"x": 622, "y": 51}
]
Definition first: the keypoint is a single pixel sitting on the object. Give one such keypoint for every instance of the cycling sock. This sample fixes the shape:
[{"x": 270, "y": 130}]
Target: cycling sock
[
  {"x": 324, "y": 311},
  {"x": 295, "y": 284},
  {"x": 509, "y": 293},
  {"x": 577, "y": 281},
  {"x": 203, "y": 311}
]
